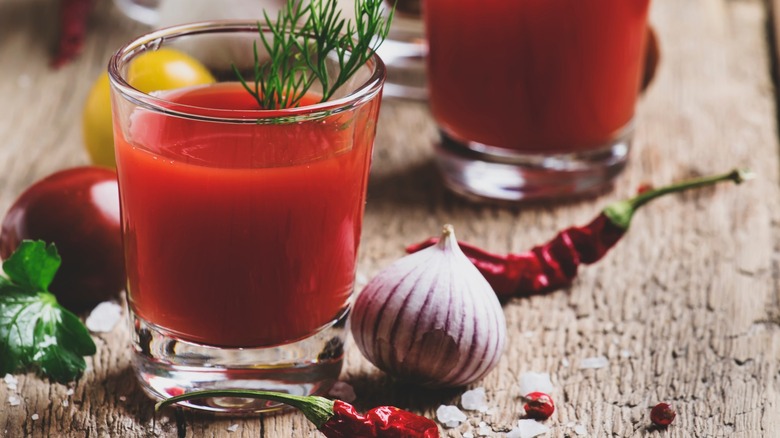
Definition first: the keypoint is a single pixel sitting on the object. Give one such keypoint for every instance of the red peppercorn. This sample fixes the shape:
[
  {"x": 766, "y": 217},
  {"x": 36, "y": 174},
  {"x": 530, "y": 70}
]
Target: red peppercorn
[
  {"x": 539, "y": 406},
  {"x": 662, "y": 414}
]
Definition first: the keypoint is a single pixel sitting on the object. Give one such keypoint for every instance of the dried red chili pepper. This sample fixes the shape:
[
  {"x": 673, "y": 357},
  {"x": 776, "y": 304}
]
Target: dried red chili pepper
[
  {"x": 73, "y": 29},
  {"x": 554, "y": 265},
  {"x": 335, "y": 418}
]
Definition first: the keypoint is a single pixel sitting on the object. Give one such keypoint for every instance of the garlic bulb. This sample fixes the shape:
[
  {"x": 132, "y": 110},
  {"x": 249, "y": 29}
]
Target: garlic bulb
[{"x": 431, "y": 318}]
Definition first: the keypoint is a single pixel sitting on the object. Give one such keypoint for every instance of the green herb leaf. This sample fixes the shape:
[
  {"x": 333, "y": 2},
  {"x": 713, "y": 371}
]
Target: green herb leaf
[
  {"x": 304, "y": 38},
  {"x": 33, "y": 265},
  {"x": 35, "y": 331}
]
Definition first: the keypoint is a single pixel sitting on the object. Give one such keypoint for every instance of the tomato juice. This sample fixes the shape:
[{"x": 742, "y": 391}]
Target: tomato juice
[
  {"x": 241, "y": 234},
  {"x": 535, "y": 76}
]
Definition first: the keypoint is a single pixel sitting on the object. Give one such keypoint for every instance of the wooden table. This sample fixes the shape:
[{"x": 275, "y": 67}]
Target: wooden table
[{"x": 686, "y": 308}]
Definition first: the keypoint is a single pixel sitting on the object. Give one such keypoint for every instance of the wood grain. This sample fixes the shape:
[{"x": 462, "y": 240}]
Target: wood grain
[{"x": 686, "y": 308}]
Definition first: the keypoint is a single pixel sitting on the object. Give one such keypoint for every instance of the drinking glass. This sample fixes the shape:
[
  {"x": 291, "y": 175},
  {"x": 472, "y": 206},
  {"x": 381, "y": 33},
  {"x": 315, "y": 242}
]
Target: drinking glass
[
  {"x": 240, "y": 225},
  {"x": 404, "y": 51},
  {"x": 534, "y": 98}
]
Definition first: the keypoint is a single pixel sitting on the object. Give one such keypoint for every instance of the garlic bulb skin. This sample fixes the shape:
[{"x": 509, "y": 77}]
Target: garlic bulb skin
[{"x": 431, "y": 318}]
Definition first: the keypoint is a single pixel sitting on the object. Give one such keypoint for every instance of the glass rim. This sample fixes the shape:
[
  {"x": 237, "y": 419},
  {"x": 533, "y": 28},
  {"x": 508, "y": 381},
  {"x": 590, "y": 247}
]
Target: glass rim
[{"x": 155, "y": 39}]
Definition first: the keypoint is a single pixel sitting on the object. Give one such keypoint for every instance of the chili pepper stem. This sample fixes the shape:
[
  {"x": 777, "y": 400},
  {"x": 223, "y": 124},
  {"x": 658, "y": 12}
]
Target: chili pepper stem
[
  {"x": 317, "y": 409},
  {"x": 621, "y": 212}
]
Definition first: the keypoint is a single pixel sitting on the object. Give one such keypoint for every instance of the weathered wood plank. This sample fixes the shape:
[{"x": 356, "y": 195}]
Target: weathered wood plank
[{"x": 685, "y": 308}]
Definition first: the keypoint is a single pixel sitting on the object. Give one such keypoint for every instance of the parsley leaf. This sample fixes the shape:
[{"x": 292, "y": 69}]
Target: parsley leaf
[{"x": 35, "y": 331}]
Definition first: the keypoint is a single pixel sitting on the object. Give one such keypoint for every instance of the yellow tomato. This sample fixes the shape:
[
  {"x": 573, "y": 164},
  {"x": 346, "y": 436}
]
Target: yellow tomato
[{"x": 164, "y": 69}]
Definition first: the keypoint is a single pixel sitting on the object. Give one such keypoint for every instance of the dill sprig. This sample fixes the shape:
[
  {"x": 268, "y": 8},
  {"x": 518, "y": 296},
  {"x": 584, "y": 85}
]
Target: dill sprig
[{"x": 305, "y": 36}]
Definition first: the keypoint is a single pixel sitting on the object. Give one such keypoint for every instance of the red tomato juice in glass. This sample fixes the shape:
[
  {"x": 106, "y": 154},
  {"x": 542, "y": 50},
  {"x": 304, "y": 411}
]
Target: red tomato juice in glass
[
  {"x": 535, "y": 76},
  {"x": 241, "y": 235}
]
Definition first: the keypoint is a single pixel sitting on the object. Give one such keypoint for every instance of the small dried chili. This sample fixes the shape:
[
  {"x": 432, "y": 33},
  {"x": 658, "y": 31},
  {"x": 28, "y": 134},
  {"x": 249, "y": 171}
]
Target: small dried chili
[
  {"x": 554, "y": 265},
  {"x": 73, "y": 29},
  {"x": 335, "y": 418}
]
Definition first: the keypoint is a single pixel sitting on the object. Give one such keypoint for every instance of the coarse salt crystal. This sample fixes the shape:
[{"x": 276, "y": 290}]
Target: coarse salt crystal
[
  {"x": 34, "y": 417},
  {"x": 580, "y": 430},
  {"x": 232, "y": 428},
  {"x": 343, "y": 391},
  {"x": 474, "y": 400},
  {"x": 23, "y": 81},
  {"x": 104, "y": 317},
  {"x": 527, "y": 429},
  {"x": 450, "y": 416},
  {"x": 594, "y": 362},
  {"x": 484, "y": 429},
  {"x": 468, "y": 435},
  {"x": 361, "y": 279},
  {"x": 535, "y": 382},
  {"x": 11, "y": 382},
  {"x": 14, "y": 400}
]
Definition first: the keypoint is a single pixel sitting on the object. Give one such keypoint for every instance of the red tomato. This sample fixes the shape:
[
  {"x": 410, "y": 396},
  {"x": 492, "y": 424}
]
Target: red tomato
[{"x": 78, "y": 210}]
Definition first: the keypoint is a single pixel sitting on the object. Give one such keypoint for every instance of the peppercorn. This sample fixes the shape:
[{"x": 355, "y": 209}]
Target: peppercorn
[
  {"x": 539, "y": 406},
  {"x": 662, "y": 414}
]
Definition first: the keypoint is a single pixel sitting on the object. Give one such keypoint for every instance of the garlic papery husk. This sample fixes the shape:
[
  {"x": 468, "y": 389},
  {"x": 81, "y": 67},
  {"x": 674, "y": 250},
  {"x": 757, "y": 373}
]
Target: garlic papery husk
[{"x": 431, "y": 318}]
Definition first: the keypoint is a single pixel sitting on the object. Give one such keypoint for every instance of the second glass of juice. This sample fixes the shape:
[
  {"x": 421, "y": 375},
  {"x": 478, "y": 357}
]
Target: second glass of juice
[
  {"x": 241, "y": 225},
  {"x": 534, "y": 98}
]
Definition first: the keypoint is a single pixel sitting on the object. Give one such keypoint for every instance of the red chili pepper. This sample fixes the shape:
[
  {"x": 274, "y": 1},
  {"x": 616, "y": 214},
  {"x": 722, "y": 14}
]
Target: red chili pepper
[
  {"x": 554, "y": 265},
  {"x": 73, "y": 30},
  {"x": 335, "y": 418}
]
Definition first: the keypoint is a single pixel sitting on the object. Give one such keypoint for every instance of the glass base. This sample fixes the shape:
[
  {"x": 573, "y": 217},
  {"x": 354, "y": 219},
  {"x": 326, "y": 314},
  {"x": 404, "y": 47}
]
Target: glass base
[
  {"x": 167, "y": 366},
  {"x": 482, "y": 172}
]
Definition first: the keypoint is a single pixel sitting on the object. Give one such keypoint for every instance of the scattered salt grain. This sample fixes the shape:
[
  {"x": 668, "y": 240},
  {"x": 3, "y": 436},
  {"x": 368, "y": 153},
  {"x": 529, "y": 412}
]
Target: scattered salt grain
[
  {"x": 11, "y": 382},
  {"x": 361, "y": 279},
  {"x": 527, "y": 429},
  {"x": 594, "y": 362},
  {"x": 468, "y": 435},
  {"x": 23, "y": 81},
  {"x": 69, "y": 392},
  {"x": 232, "y": 428},
  {"x": 565, "y": 363},
  {"x": 14, "y": 400},
  {"x": 625, "y": 354},
  {"x": 535, "y": 382},
  {"x": 65, "y": 403},
  {"x": 474, "y": 400},
  {"x": 450, "y": 416},
  {"x": 34, "y": 417},
  {"x": 529, "y": 334},
  {"x": 580, "y": 430},
  {"x": 343, "y": 391},
  {"x": 484, "y": 429},
  {"x": 122, "y": 398},
  {"x": 104, "y": 317}
]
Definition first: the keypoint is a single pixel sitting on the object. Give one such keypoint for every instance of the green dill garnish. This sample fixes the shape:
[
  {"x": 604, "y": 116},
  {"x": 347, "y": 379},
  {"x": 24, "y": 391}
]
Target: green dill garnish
[{"x": 304, "y": 38}]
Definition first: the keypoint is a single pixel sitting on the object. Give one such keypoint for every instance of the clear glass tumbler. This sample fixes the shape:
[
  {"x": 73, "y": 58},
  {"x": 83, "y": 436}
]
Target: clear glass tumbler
[
  {"x": 534, "y": 98},
  {"x": 240, "y": 225},
  {"x": 404, "y": 51}
]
